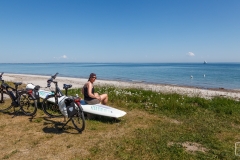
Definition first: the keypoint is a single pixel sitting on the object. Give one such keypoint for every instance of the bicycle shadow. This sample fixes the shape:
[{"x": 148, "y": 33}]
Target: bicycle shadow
[
  {"x": 19, "y": 114},
  {"x": 56, "y": 127}
]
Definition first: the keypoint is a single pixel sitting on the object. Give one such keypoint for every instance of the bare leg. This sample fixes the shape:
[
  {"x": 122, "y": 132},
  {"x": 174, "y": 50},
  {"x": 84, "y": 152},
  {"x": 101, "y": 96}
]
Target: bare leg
[{"x": 104, "y": 98}]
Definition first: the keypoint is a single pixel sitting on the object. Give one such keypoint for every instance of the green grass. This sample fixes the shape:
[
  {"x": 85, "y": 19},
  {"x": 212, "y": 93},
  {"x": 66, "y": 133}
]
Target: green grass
[
  {"x": 212, "y": 123},
  {"x": 157, "y": 126}
]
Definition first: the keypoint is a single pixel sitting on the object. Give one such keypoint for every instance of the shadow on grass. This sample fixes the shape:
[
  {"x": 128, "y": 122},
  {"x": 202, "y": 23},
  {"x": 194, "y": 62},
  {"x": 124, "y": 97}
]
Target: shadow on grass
[
  {"x": 102, "y": 119},
  {"x": 18, "y": 113},
  {"x": 56, "y": 127}
]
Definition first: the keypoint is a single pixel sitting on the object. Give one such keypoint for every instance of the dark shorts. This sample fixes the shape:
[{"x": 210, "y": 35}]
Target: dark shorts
[{"x": 93, "y": 101}]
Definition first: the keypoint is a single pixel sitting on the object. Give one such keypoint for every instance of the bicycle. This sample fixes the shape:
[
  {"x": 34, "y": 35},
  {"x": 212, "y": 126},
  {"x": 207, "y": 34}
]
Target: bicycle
[
  {"x": 69, "y": 106},
  {"x": 14, "y": 98},
  {"x": 4, "y": 97}
]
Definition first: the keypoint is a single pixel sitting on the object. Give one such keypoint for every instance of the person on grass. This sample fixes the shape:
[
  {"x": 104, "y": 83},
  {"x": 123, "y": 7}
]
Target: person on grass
[{"x": 90, "y": 97}]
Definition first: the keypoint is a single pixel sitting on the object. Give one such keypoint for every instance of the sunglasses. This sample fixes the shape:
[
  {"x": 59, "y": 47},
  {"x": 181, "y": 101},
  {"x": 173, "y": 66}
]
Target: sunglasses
[{"x": 94, "y": 77}]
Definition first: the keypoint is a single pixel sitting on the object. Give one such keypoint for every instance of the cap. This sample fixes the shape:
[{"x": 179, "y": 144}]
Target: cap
[{"x": 92, "y": 75}]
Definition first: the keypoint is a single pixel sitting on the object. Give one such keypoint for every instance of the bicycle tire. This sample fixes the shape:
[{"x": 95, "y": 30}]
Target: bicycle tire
[
  {"x": 27, "y": 104},
  {"x": 51, "y": 109},
  {"x": 78, "y": 120},
  {"x": 5, "y": 101}
]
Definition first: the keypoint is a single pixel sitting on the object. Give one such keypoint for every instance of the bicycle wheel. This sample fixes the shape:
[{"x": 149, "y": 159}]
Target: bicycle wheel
[
  {"x": 78, "y": 120},
  {"x": 5, "y": 101},
  {"x": 51, "y": 109},
  {"x": 28, "y": 104}
]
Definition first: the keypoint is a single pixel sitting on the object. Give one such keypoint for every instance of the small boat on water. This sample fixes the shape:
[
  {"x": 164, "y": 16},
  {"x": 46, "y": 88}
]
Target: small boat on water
[{"x": 204, "y": 62}]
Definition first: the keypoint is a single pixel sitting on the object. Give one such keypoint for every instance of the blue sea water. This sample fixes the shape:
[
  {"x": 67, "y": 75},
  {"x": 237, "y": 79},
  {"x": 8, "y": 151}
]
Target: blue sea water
[{"x": 210, "y": 75}]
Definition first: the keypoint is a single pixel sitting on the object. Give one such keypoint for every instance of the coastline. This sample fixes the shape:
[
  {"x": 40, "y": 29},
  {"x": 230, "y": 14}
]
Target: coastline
[{"x": 41, "y": 80}]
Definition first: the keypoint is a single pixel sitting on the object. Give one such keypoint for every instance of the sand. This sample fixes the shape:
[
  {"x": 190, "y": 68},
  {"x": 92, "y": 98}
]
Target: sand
[{"x": 79, "y": 82}]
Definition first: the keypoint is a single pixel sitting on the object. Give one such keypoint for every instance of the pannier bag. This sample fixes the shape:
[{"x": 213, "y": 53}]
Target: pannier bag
[
  {"x": 71, "y": 108},
  {"x": 33, "y": 90},
  {"x": 67, "y": 106}
]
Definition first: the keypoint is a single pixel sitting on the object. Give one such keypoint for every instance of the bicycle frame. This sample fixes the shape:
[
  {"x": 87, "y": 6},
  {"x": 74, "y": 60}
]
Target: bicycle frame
[
  {"x": 19, "y": 98},
  {"x": 14, "y": 98},
  {"x": 1, "y": 89},
  {"x": 5, "y": 88},
  {"x": 57, "y": 94}
]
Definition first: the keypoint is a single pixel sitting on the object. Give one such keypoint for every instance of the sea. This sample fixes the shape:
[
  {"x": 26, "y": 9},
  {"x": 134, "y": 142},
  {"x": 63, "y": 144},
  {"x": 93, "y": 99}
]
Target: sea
[{"x": 207, "y": 76}]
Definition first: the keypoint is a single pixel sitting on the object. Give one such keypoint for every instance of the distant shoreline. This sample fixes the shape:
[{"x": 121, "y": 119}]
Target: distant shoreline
[
  {"x": 41, "y": 80},
  {"x": 128, "y": 81},
  {"x": 210, "y": 76},
  {"x": 200, "y": 62}
]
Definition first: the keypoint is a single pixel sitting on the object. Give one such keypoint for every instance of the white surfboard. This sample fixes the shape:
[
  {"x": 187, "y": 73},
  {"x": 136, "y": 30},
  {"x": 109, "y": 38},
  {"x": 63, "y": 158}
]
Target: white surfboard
[
  {"x": 102, "y": 110},
  {"x": 98, "y": 109}
]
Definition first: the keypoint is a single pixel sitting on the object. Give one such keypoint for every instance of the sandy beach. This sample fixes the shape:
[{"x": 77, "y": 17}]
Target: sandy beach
[{"x": 79, "y": 82}]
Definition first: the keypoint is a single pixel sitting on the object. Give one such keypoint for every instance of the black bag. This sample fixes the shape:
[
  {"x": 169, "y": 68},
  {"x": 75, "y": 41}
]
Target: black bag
[
  {"x": 70, "y": 105},
  {"x": 35, "y": 92}
]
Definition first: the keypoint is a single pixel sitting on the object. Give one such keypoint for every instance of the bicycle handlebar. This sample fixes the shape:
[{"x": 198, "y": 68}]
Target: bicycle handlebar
[
  {"x": 49, "y": 81},
  {"x": 55, "y": 75}
]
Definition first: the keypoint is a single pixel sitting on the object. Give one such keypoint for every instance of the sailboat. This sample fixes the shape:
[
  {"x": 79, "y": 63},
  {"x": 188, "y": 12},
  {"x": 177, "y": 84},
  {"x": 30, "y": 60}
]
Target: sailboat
[{"x": 205, "y": 62}]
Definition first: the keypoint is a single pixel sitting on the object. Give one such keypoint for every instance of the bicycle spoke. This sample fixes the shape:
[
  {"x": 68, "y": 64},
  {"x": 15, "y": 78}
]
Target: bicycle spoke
[
  {"x": 78, "y": 121},
  {"x": 51, "y": 109},
  {"x": 27, "y": 104}
]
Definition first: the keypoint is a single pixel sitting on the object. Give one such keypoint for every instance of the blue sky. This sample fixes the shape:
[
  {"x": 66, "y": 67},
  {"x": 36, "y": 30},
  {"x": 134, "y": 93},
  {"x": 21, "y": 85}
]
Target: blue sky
[{"x": 39, "y": 31}]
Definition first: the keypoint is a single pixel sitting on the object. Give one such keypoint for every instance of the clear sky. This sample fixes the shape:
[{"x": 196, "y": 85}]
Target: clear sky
[{"x": 41, "y": 31}]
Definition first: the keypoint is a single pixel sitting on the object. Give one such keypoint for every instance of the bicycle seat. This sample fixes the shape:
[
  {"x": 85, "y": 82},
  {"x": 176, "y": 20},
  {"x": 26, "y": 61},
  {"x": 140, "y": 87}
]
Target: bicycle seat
[
  {"x": 17, "y": 83},
  {"x": 66, "y": 86}
]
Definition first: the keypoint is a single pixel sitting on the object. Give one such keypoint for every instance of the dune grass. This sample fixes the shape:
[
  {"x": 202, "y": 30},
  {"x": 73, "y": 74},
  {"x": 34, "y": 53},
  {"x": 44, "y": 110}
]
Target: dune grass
[{"x": 157, "y": 126}]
